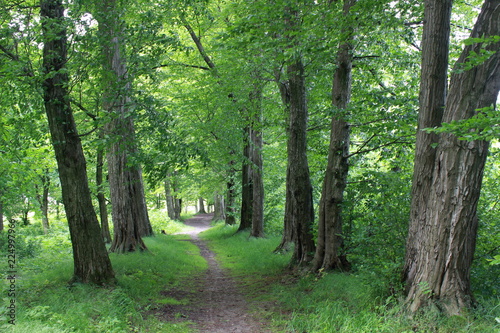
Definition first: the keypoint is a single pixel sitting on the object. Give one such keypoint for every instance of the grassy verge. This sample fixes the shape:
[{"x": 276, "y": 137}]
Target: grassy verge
[
  {"x": 330, "y": 302},
  {"x": 45, "y": 302}
]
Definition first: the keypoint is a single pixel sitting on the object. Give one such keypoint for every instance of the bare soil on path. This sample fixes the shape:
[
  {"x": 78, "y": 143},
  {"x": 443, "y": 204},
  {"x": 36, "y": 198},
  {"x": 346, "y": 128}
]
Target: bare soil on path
[{"x": 215, "y": 304}]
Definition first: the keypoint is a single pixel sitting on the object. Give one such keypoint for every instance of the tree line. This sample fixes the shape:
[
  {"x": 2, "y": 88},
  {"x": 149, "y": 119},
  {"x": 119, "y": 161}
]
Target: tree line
[{"x": 219, "y": 95}]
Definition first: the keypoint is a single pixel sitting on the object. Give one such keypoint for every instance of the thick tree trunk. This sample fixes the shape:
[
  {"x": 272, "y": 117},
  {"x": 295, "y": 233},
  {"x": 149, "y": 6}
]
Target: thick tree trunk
[
  {"x": 433, "y": 85},
  {"x": 440, "y": 266},
  {"x": 127, "y": 231},
  {"x": 91, "y": 261},
  {"x": 288, "y": 231},
  {"x": 201, "y": 206},
  {"x": 330, "y": 238},
  {"x": 300, "y": 211},
  {"x": 101, "y": 199},
  {"x": 129, "y": 210},
  {"x": 246, "y": 182}
]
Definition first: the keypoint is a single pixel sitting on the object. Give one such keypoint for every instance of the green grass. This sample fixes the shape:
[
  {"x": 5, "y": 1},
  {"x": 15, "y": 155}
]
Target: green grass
[
  {"x": 290, "y": 301},
  {"x": 329, "y": 302},
  {"x": 160, "y": 222},
  {"x": 46, "y": 303}
]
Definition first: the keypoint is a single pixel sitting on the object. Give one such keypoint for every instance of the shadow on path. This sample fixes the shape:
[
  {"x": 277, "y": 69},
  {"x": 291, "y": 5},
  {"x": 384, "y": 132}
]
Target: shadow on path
[{"x": 215, "y": 303}]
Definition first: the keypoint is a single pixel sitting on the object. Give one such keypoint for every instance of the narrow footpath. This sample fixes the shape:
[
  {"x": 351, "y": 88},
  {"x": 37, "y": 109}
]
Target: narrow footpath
[{"x": 215, "y": 303}]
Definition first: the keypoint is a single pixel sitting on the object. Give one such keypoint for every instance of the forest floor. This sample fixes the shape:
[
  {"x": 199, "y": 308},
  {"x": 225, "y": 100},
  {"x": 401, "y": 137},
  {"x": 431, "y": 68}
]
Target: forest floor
[{"x": 212, "y": 302}]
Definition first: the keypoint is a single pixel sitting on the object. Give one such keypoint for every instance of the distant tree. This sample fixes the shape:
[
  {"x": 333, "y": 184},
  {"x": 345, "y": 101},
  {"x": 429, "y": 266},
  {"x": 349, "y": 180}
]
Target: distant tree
[
  {"x": 91, "y": 261},
  {"x": 201, "y": 206},
  {"x": 101, "y": 199},
  {"x": 219, "y": 208},
  {"x": 440, "y": 254},
  {"x": 42, "y": 197},
  {"x": 173, "y": 203}
]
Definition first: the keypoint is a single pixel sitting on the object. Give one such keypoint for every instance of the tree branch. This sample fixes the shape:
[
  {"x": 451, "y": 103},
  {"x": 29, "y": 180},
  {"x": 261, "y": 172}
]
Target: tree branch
[
  {"x": 81, "y": 107},
  {"x": 198, "y": 43},
  {"x": 183, "y": 65},
  {"x": 359, "y": 151},
  {"x": 11, "y": 55}
]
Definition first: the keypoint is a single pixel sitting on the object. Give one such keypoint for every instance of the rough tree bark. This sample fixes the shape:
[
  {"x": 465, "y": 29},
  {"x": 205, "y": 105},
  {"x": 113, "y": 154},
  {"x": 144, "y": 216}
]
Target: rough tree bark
[
  {"x": 438, "y": 270},
  {"x": 433, "y": 85},
  {"x": 300, "y": 210},
  {"x": 91, "y": 261},
  {"x": 129, "y": 210},
  {"x": 330, "y": 239}
]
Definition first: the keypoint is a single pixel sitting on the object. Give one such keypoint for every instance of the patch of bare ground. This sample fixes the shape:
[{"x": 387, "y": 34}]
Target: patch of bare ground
[{"x": 212, "y": 301}]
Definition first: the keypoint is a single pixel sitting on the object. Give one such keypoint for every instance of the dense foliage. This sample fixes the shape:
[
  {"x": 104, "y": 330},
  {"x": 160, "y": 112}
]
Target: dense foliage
[{"x": 193, "y": 66}]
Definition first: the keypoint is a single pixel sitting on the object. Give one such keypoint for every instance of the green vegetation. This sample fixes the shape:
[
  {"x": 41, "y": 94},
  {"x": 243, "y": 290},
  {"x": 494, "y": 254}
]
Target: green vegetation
[
  {"x": 46, "y": 303},
  {"x": 333, "y": 302},
  {"x": 291, "y": 300}
]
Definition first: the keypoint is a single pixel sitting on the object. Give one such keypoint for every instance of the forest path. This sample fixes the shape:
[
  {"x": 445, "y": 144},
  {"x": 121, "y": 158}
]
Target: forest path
[{"x": 214, "y": 302}]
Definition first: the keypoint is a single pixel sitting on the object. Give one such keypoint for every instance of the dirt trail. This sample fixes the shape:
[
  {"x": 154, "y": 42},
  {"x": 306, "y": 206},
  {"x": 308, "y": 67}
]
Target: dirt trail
[{"x": 215, "y": 303}]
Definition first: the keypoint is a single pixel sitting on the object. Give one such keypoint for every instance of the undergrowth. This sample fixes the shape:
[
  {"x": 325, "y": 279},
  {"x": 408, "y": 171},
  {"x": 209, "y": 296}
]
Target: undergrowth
[
  {"x": 330, "y": 302},
  {"x": 292, "y": 301},
  {"x": 46, "y": 303}
]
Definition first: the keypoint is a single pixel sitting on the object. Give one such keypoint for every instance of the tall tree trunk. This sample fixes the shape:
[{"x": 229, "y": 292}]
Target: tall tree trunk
[
  {"x": 288, "y": 231},
  {"x": 101, "y": 199},
  {"x": 439, "y": 268},
  {"x": 91, "y": 261},
  {"x": 246, "y": 182},
  {"x": 301, "y": 209},
  {"x": 257, "y": 164},
  {"x": 129, "y": 210},
  {"x": 43, "y": 200},
  {"x": 231, "y": 196},
  {"x": 433, "y": 85},
  {"x": 330, "y": 239}
]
